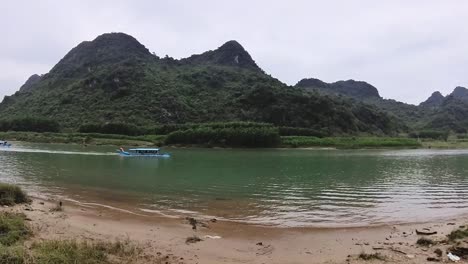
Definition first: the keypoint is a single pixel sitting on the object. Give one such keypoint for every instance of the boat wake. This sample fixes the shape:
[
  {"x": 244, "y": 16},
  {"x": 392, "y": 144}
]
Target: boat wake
[{"x": 25, "y": 150}]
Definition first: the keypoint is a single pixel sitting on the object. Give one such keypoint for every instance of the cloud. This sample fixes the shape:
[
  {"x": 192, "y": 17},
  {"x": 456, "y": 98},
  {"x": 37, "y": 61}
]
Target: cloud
[{"x": 407, "y": 49}]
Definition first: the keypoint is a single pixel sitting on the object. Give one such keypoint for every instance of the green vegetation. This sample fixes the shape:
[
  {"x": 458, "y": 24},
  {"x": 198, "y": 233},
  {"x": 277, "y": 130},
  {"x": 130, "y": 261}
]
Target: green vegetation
[
  {"x": 84, "y": 138},
  {"x": 430, "y": 134},
  {"x": 348, "y": 142},
  {"x": 12, "y": 228},
  {"x": 70, "y": 251},
  {"x": 14, "y": 231},
  {"x": 424, "y": 241},
  {"x": 263, "y": 136},
  {"x": 29, "y": 124},
  {"x": 460, "y": 233},
  {"x": 12, "y": 194}
]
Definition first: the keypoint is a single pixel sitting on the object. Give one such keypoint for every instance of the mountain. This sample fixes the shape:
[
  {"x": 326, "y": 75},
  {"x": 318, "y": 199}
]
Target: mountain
[
  {"x": 356, "y": 89},
  {"x": 114, "y": 78},
  {"x": 30, "y": 82},
  {"x": 460, "y": 93},
  {"x": 436, "y": 113},
  {"x": 230, "y": 53},
  {"x": 435, "y": 100}
]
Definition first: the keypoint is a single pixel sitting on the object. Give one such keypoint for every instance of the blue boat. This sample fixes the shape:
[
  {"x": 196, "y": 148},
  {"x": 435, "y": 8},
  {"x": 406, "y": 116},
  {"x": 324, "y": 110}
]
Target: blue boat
[
  {"x": 4, "y": 144},
  {"x": 143, "y": 152}
]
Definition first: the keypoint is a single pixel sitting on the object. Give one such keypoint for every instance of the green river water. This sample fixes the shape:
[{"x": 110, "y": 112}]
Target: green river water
[{"x": 283, "y": 187}]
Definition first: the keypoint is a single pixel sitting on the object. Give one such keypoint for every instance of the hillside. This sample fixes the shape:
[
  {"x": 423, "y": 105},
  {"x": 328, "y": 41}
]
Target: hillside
[
  {"x": 436, "y": 113},
  {"x": 114, "y": 78}
]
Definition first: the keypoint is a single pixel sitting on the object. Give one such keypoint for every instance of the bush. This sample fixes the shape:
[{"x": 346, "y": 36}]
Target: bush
[
  {"x": 430, "y": 134},
  {"x": 12, "y": 194},
  {"x": 348, "y": 142},
  {"x": 234, "y": 137},
  {"x": 299, "y": 131},
  {"x": 458, "y": 234},
  {"x": 112, "y": 128},
  {"x": 423, "y": 241}
]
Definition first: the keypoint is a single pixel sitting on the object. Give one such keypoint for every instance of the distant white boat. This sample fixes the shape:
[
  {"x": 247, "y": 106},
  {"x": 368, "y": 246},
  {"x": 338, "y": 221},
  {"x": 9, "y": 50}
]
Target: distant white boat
[{"x": 143, "y": 152}]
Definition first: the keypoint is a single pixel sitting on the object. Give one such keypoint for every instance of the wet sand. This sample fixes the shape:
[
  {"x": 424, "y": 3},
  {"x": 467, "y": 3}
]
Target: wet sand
[{"x": 230, "y": 242}]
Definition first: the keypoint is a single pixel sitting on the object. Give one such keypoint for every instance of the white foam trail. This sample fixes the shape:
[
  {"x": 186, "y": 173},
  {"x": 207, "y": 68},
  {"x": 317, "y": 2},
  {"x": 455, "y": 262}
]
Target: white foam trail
[{"x": 56, "y": 152}]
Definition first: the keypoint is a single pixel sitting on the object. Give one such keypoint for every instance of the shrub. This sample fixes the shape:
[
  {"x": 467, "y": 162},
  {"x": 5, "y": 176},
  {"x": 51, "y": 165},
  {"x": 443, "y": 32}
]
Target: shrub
[
  {"x": 12, "y": 194},
  {"x": 458, "y": 234},
  {"x": 430, "y": 134},
  {"x": 299, "y": 131},
  {"x": 423, "y": 241},
  {"x": 234, "y": 137}
]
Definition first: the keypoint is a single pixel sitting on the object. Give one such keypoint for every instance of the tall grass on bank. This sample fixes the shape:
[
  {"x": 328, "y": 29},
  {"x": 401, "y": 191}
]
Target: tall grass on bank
[
  {"x": 12, "y": 228},
  {"x": 12, "y": 194},
  {"x": 348, "y": 142}
]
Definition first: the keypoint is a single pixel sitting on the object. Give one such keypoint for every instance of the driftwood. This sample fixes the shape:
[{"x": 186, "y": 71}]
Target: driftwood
[{"x": 424, "y": 233}]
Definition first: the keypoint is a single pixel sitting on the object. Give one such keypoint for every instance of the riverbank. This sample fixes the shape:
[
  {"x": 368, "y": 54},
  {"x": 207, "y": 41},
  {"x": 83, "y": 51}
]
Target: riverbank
[
  {"x": 159, "y": 140},
  {"x": 175, "y": 240}
]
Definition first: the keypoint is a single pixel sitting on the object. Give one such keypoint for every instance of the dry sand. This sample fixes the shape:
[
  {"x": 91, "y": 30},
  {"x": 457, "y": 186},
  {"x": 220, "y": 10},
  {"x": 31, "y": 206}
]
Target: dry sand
[{"x": 238, "y": 243}]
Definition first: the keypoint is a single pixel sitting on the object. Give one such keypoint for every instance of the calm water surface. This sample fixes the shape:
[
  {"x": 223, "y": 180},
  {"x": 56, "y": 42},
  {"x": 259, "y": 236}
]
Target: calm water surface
[{"x": 275, "y": 187}]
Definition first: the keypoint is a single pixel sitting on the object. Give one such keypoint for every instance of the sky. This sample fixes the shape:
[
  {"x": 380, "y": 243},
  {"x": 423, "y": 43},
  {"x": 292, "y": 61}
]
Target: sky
[{"x": 407, "y": 49}]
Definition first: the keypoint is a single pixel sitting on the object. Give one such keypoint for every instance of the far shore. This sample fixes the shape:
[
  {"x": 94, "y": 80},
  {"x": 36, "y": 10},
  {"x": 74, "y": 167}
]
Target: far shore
[
  {"x": 357, "y": 142},
  {"x": 229, "y": 242}
]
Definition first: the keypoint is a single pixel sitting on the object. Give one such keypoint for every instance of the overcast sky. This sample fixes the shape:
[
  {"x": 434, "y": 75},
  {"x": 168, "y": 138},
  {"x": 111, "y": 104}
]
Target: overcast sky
[{"x": 407, "y": 49}]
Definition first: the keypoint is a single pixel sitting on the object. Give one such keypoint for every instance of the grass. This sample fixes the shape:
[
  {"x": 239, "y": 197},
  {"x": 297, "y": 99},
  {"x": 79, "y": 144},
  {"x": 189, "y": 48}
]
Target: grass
[
  {"x": 12, "y": 194},
  {"x": 13, "y": 228},
  {"x": 365, "y": 256},
  {"x": 70, "y": 251},
  {"x": 458, "y": 234},
  {"x": 423, "y": 241},
  {"x": 349, "y": 142},
  {"x": 449, "y": 144}
]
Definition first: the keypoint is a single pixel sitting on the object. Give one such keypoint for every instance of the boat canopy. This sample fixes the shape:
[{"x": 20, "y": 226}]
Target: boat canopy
[{"x": 144, "y": 149}]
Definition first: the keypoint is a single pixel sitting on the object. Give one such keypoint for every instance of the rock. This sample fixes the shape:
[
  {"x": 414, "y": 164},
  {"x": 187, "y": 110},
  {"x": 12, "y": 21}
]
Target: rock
[
  {"x": 213, "y": 220},
  {"x": 259, "y": 244},
  {"x": 410, "y": 256},
  {"x": 41, "y": 203},
  {"x": 433, "y": 259},
  {"x": 438, "y": 252}
]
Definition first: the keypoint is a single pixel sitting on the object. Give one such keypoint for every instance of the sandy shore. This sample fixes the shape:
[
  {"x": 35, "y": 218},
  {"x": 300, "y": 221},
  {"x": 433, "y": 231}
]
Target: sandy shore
[{"x": 227, "y": 242}]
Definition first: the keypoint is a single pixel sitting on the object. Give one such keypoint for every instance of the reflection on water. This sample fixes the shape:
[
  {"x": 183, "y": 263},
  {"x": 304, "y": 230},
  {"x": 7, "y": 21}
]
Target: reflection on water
[{"x": 278, "y": 187}]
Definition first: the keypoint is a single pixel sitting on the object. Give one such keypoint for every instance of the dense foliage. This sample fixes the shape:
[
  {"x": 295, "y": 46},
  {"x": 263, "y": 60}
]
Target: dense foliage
[
  {"x": 229, "y": 136},
  {"x": 430, "y": 134},
  {"x": 33, "y": 124},
  {"x": 349, "y": 142}
]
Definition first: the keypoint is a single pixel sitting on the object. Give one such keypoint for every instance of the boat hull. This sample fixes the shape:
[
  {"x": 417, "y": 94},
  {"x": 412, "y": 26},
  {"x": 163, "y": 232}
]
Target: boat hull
[{"x": 126, "y": 154}]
